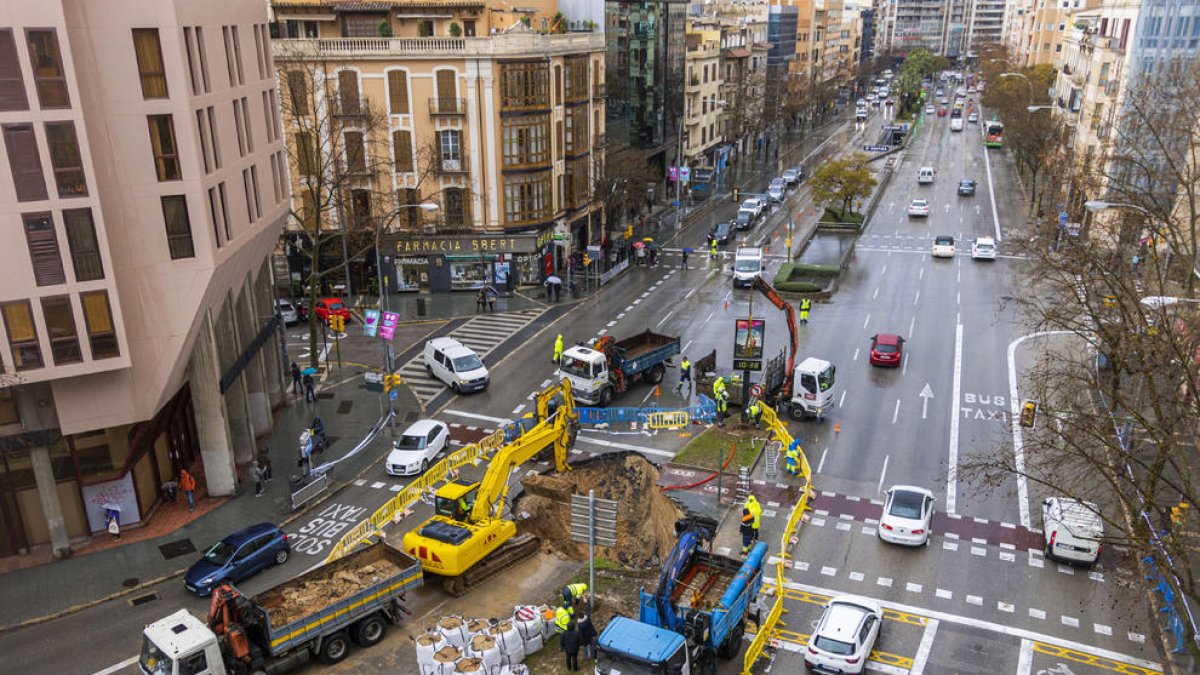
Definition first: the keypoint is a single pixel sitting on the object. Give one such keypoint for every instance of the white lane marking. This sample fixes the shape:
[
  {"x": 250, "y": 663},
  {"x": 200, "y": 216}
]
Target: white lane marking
[
  {"x": 952, "y": 469},
  {"x": 610, "y": 324},
  {"x": 926, "y": 646},
  {"x": 116, "y": 667},
  {"x": 912, "y": 588},
  {"x": 829, "y": 571},
  {"x": 866, "y": 320},
  {"x": 667, "y": 317},
  {"x": 625, "y": 446},
  {"x": 842, "y": 400},
  {"x": 1036, "y": 613},
  {"x": 884, "y": 270},
  {"x": 921, "y": 273},
  {"x": 1018, "y": 438},
  {"x": 876, "y": 295},
  {"x": 975, "y": 600},
  {"x": 685, "y": 347},
  {"x": 911, "y": 324},
  {"x": 476, "y": 416},
  {"x": 916, "y": 299},
  {"x": 896, "y": 412},
  {"x": 855, "y": 357},
  {"x": 821, "y": 464},
  {"x": 904, "y": 368},
  {"x": 987, "y": 162},
  {"x": 1025, "y": 658},
  {"x": 1102, "y": 629},
  {"x": 883, "y": 473},
  {"x": 857, "y": 576},
  {"x": 1011, "y": 631},
  {"x": 944, "y": 594},
  {"x": 882, "y": 581},
  {"x": 1070, "y": 621},
  {"x": 518, "y": 410},
  {"x": 710, "y": 316}
]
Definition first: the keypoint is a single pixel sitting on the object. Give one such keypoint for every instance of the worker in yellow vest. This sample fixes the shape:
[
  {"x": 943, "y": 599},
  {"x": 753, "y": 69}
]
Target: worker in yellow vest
[
  {"x": 562, "y": 619},
  {"x": 756, "y": 510},
  {"x": 558, "y": 348},
  {"x": 573, "y": 594}
]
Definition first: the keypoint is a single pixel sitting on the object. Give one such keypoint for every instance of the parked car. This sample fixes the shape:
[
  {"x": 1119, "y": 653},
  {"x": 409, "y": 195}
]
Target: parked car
[
  {"x": 288, "y": 313},
  {"x": 887, "y": 349},
  {"x": 237, "y": 557},
  {"x": 1072, "y": 530},
  {"x": 417, "y": 448},
  {"x": 722, "y": 233},
  {"x": 754, "y": 204},
  {"x": 918, "y": 208},
  {"x": 844, "y": 636},
  {"x": 907, "y": 514},
  {"x": 327, "y": 307},
  {"x": 983, "y": 248},
  {"x": 455, "y": 364},
  {"x": 943, "y": 246}
]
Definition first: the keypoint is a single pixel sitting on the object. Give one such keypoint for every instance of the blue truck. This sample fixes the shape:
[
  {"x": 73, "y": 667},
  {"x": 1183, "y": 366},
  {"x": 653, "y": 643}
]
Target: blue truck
[
  {"x": 600, "y": 372},
  {"x": 698, "y": 612}
]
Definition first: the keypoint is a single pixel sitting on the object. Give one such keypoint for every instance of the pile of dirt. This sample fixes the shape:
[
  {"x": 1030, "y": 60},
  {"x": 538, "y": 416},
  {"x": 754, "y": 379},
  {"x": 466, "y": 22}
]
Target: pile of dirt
[
  {"x": 645, "y": 516},
  {"x": 297, "y": 602}
]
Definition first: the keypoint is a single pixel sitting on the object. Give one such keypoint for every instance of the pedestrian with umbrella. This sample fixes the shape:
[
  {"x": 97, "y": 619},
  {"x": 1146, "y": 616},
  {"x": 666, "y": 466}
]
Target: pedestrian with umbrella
[
  {"x": 492, "y": 294},
  {"x": 310, "y": 393},
  {"x": 686, "y": 251},
  {"x": 554, "y": 287}
]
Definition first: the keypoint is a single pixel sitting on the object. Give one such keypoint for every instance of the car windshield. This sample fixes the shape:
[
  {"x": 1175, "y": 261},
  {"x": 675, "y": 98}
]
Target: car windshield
[
  {"x": 410, "y": 442},
  {"x": 832, "y": 646},
  {"x": 906, "y": 504},
  {"x": 220, "y": 552},
  {"x": 467, "y": 363},
  {"x": 743, "y": 216},
  {"x": 746, "y": 266},
  {"x": 336, "y": 305},
  {"x": 614, "y": 664},
  {"x": 574, "y": 366},
  {"x": 153, "y": 660}
]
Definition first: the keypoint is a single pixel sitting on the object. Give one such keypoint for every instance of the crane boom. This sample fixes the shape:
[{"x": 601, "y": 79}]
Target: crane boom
[{"x": 772, "y": 296}]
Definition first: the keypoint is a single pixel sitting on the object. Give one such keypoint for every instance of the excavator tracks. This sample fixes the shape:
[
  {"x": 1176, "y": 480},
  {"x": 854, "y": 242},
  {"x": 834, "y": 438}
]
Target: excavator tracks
[{"x": 513, "y": 551}]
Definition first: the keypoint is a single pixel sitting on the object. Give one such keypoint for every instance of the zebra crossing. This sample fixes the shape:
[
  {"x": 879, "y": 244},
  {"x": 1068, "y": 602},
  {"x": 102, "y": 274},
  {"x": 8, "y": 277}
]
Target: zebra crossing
[{"x": 482, "y": 334}]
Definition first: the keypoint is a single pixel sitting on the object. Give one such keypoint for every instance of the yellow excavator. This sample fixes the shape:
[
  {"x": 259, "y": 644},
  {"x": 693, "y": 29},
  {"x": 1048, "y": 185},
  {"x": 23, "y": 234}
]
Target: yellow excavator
[{"x": 468, "y": 540}]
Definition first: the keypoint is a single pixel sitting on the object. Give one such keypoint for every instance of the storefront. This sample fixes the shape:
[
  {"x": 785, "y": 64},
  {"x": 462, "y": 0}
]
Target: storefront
[{"x": 465, "y": 263}]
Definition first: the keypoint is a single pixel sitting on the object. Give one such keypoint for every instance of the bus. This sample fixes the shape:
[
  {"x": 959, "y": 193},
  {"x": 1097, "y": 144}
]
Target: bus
[{"x": 993, "y": 134}]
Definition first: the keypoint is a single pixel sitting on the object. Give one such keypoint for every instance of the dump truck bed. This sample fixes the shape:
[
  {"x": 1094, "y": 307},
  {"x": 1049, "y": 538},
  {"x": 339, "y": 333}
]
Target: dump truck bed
[
  {"x": 704, "y": 582},
  {"x": 335, "y": 595},
  {"x": 643, "y": 343}
]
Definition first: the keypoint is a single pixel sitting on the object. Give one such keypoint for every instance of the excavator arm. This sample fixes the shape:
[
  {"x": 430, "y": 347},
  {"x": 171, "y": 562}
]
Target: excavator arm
[{"x": 768, "y": 291}]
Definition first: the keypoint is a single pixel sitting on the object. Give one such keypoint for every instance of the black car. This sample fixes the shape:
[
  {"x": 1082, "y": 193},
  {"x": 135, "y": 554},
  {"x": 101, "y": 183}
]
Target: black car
[
  {"x": 966, "y": 186},
  {"x": 722, "y": 233}
]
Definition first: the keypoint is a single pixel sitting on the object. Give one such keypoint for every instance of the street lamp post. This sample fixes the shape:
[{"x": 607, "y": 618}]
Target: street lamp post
[{"x": 387, "y": 347}]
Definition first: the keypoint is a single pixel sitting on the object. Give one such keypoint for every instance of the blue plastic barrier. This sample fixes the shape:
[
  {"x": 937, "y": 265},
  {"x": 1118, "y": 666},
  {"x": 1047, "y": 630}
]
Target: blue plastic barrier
[{"x": 704, "y": 411}]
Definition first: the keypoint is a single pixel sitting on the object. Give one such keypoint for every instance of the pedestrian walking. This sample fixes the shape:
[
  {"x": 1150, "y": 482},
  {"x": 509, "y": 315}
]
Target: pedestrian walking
[
  {"x": 170, "y": 490},
  {"x": 570, "y": 646},
  {"x": 805, "y": 305},
  {"x": 310, "y": 393},
  {"x": 256, "y": 475},
  {"x": 722, "y": 407},
  {"x": 685, "y": 255},
  {"x": 480, "y": 301},
  {"x": 756, "y": 510},
  {"x": 747, "y": 530},
  {"x": 264, "y": 462},
  {"x": 793, "y": 457},
  {"x": 491, "y": 300},
  {"x": 558, "y": 348},
  {"x": 685, "y": 377},
  {"x": 653, "y": 256},
  {"x": 587, "y": 638},
  {"x": 187, "y": 483},
  {"x": 296, "y": 381},
  {"x": 558, "y": 292}
]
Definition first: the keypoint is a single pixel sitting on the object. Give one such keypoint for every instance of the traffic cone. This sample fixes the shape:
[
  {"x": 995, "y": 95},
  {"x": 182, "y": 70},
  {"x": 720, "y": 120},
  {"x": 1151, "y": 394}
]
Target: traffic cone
[
  {"x": 837, "y": 427},
  {"x": 656, "y": 391}
]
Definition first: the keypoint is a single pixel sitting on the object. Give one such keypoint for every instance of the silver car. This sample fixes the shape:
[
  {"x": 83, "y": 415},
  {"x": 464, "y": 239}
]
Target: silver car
[{"x": 287, "y": 312}]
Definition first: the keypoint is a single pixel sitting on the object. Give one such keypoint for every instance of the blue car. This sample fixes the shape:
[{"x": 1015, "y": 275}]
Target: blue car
[{"x": 237, "y": 557}]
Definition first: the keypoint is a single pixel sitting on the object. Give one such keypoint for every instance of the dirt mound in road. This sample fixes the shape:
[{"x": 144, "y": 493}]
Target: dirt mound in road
[{"x": 645, "y": 516}]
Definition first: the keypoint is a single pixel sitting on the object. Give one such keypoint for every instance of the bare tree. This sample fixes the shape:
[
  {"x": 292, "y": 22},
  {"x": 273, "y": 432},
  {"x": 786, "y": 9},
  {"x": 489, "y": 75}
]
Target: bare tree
[{"x": 619, "y": 183}]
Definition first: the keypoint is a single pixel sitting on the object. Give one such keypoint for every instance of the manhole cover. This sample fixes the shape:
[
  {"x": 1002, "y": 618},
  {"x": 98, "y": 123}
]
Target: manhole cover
[
  {"x": 174, "y": 549},
  {"x": 131, "y": 582},
  {"x": 344, "y": 407},
  {"x": 142, "y": 599}
]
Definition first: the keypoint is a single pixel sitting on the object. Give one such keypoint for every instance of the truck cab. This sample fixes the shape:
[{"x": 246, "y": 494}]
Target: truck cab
[
  {"x": 587, "y": 369},
  {"x": 180, "y": 644},
  {"x": 813, "y": 385},
  {"x": 628, "y": 647},
  {"x": 747, "y": 264}
]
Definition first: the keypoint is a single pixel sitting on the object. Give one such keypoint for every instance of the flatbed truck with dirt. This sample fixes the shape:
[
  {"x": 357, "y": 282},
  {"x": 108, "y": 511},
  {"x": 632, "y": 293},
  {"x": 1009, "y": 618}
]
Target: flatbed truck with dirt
[{"x": 315, "y": 615}]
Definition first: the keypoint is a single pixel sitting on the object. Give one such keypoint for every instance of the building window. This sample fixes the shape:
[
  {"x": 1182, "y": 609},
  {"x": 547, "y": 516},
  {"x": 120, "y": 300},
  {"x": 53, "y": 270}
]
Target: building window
[
  {"x": 298, "y": 91},
  {"x": 526, "y": 140},
  {"x": 348, "y": 92},
  {"x": 306, "y": 154},
  {"x": 356, "y": 160},
  {"x": 97, "y": 316},
  {"x": 402, "y": 150},
  {"x": 203, "y": 58},
  {"x": 450, "y": 142},
  {"x": 361, "y": 25},
  {"x": 577, "y": 78},
  {"x": 576, "y": 129},
  {"x": 148, "y": 51},
  {"x": 81, "y": 239},
  {"x": 212, "y": 134},
  {"x": 237, "y": 54},
  {"x": 237, "y": 123},
  {"x": 527, "y": 198},
  {"x": 254, "y": 184},
  {"x": 43, "y": 250},
  {"x": 22, "y": 335},
  {"x": 64, "y": 157},
  {"x": 12, "y": 85},
  {"x": 162, "y": 145},
  {"x": 25, "y": 162},
  {"x": 60, "y": 327},
  {"x": 524, "y": 85},
  {"x": 48, "y": 74},
  {"x": 179, "y": 228},
  {"x": 398, "y": 92},
  {"x": 409, "y": 218},
  {"x": 455, "y": 207}
]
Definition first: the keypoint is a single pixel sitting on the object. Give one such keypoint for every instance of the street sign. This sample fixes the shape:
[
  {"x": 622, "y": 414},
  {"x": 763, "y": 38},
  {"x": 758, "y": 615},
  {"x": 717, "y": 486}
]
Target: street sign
[
  {"x": 371, "y": 322},
  {"x": 1073, "y": 229},
  {"x": 392, "y": 394},
  {"x": 876, "y": 148},
  {"x": 685, "y": 173},
  {"x": 1062, "y": 218},
  {"x": 673, "y": 173},
  {"x": 756, "y": 390},
  {"x": 891, "y": 127},
  {"x": 387, "y": 327},
  {"x": 605, "y": 511}
]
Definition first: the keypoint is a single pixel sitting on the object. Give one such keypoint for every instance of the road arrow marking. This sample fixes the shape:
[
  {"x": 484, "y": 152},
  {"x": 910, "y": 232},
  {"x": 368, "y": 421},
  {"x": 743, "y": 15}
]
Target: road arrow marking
[{"x": 925, "y": 395}]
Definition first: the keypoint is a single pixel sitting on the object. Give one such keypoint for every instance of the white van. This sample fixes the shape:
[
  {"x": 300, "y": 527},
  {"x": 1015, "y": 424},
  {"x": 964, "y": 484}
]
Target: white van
[
  {"x": 956, "y": 124},
  {"x": 455, "y": 364},
  {"x": 747, "y": 264},
  {"x": 926, "y": 175},
  {"x": 1072, "y": 530}
]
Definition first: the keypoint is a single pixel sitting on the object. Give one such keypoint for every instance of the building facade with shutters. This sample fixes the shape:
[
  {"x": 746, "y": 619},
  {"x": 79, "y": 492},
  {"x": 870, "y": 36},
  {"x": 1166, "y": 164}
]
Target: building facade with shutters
[
  {"x": 497, "y": 116},
  {"x": 141, "y": 192}
]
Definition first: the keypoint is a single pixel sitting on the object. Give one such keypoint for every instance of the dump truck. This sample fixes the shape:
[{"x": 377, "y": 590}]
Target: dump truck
[
  {"x": 315, "y": 615},
  {"x": 605, "y": 369},
  {"x": 698, "y": 612}
]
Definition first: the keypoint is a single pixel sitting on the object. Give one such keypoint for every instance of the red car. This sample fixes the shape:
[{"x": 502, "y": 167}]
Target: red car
[
  {"x": 887, "y": 349},
  {"x": 327, "y": 307},
  {"x": 941, "y": 112}
]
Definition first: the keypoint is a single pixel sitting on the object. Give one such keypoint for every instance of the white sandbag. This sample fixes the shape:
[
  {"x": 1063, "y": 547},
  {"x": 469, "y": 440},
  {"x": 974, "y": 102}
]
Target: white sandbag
[
  {"x": 514, "y": 669},
  {"x": 509, "y": 640},
  {"x": 548, "y": 630},
  {"x": 454, "y": 629},
  {"x": 484, "y": 648},
  {"x": 443, "y": 661},
  {"x": 477, "y": 627},
  {"x": 529, "y": 625},
  {"x": 427, "y": 644},
  {"x": 471, "y": 664}
]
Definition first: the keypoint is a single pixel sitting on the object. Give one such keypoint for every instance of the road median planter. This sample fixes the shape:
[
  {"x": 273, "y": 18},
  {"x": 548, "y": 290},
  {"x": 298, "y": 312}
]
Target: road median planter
[{"x": 805, "y": 279}]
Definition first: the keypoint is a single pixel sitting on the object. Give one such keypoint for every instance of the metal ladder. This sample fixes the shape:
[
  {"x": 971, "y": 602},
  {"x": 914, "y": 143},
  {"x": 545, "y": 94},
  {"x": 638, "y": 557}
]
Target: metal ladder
[
  {"x": 771, "y": 455},
  {"x": 743, "y": 485}
]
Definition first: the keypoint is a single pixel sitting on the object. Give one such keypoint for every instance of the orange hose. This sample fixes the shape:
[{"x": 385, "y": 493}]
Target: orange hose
[{"x": 698, "y": 483}]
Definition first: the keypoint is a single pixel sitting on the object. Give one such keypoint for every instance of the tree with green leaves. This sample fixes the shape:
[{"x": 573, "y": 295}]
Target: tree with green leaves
[{"x": 842, "y": 182}]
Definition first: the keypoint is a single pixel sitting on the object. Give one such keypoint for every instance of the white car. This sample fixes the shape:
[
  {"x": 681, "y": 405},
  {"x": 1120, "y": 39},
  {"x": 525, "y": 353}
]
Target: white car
[
  {"x": 930, "y": 109},
  {"x": 754, "y": 204},
  {"x": 973, "y": 118},
  {"x": 943, "y": 246},
  {"x": 861, "y": 103},
  {"x": 844, "y": 636},
  {"x": 918, "y": 208},
  {"x": 287, "y": 312},
  {"x": 907, "y": 514},
  {"x": 983, "y": 248},
  {"x": 417, "y": 448},
  {"x": 792, "y": 176},
  {"x": 777, "y": 189}
]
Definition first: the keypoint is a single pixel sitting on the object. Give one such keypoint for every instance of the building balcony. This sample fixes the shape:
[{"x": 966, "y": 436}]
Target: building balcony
[
  {"x": 350, "y": 107},
  {"x": 693, "y": 85},
  {"x": 447, "y": 106},
  {"x": 504, "y": 45},
  {"x": 452, "y": 166}
]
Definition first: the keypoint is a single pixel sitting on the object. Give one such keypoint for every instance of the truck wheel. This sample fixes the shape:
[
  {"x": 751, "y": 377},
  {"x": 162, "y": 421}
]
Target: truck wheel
[
  {"x": 798, "y": 412},
  {"x": 335, "y": 648},
  {"x": 656, "y": 374},
  {"x": 605, "y": 398},
  {"x": 369, "y": 631},
  {"x": 733, "y": 644}
]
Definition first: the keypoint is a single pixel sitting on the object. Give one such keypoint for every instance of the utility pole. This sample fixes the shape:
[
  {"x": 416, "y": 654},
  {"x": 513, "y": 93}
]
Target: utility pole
[{"x": 678, "y": 173}]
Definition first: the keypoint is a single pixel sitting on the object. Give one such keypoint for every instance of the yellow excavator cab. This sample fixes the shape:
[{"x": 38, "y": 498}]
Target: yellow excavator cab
[{"x": 456, "y": 499}]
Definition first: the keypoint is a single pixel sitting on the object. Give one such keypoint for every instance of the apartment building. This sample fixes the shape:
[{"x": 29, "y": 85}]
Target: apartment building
[
  {"x": 495, "y": 115},
  {"x": 141, "y": 196},
  {"x": 985, "y": 25},
  {"x": 1035, "y": 29},
  {"x": 744, "y": 70},
  {"x": 703, "y": 135}
]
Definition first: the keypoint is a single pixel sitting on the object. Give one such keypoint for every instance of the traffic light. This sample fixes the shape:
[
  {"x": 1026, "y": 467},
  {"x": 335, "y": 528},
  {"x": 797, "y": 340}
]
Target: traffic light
[
  {"x": 587, "y": 260},
  {"x": 390, "y": 381},
  {"x": 1179, "y": 514},
  {"x": 1028, "y": 414},
  {"x": 337, "y": 323}
]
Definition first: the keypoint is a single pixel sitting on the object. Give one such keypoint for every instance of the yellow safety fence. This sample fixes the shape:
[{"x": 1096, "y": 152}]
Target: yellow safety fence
[
  {"x": 444, "y": 470},
  {"x": 791, "y": 534}
]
